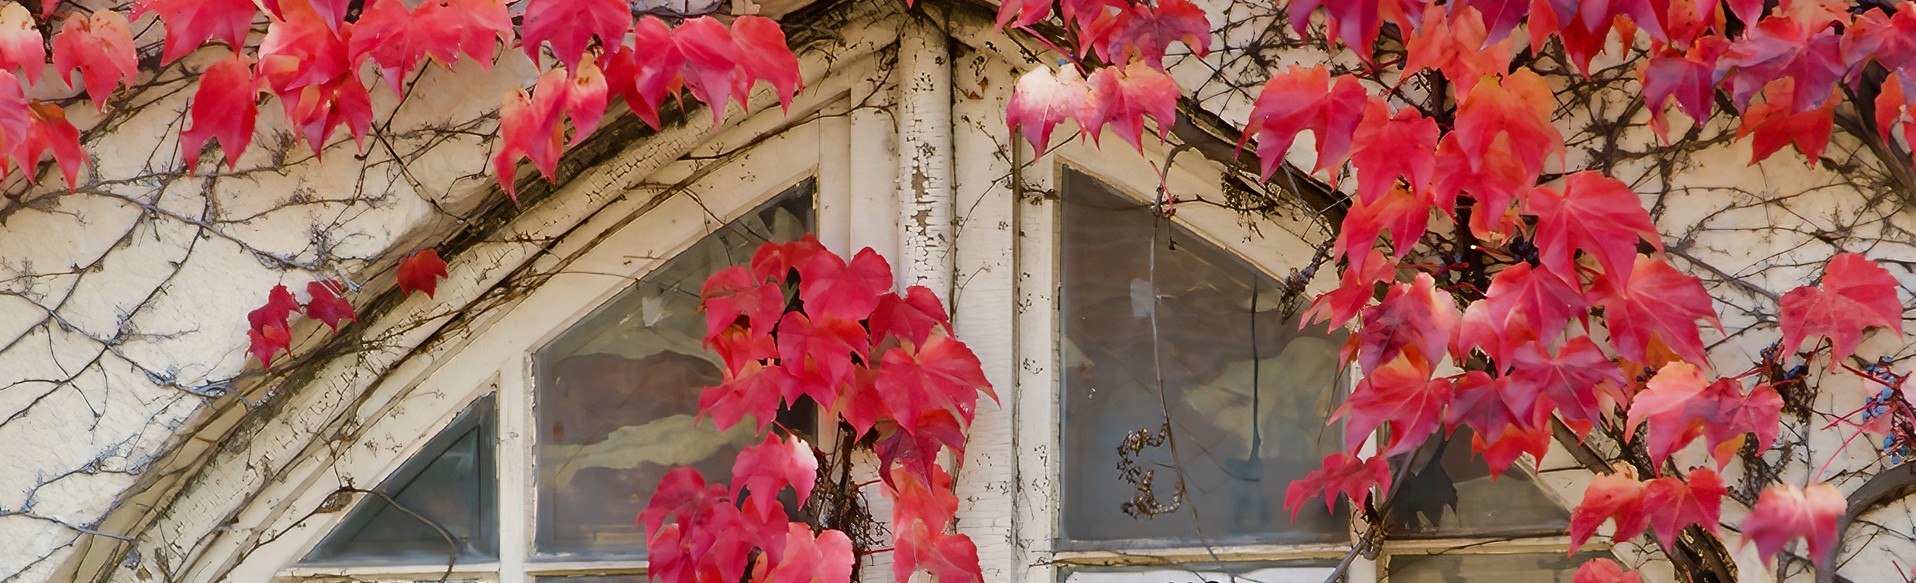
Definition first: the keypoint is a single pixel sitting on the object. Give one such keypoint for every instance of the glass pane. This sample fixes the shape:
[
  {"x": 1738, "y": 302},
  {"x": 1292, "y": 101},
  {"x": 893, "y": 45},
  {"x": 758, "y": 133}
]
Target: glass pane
[
  {"x": 1457, "y": 497},
  {"x": 1529, "y": 568},
  {"x": 634, "y": 578},
  {"x": 451, "y": 483},
  {"x": 1243, "y": 391},
  {"x": 618, "y": 394},
  {"x": 1262, "y": 572}
]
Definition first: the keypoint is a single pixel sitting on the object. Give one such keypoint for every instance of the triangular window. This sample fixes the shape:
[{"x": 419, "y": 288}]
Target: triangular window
[{"x": 441, "y": 502}]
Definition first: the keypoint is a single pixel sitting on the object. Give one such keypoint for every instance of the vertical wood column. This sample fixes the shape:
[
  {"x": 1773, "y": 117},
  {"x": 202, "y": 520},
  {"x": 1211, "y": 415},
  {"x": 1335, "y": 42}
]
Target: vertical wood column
[{"x": 924, "y": 159}]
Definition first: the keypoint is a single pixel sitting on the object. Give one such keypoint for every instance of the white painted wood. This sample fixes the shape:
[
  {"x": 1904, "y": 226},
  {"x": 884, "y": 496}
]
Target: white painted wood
[{"x": 924, "y": 158}]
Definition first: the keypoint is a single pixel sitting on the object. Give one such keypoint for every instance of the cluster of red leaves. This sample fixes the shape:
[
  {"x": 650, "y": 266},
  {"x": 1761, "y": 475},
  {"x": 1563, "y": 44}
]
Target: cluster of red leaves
[
  {"x": 1586, "y": 322},
  {"x": 1134, "y": 37},
  {"x": 882, "y": 363},
  {"x": 269, "y": 327},
  {"x": 311, "y": 59},
  {"x": 708, "y": 533}
]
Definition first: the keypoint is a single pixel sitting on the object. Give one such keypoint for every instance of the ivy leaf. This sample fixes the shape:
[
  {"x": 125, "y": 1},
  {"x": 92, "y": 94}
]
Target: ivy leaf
[
  {"x": 1676, "y": 503},
  {"x": 774, "y": 464},
  {"x": 1604, "y": 571},
  {"x": 942, "y": 374},
  {"x": 100, "y": 47},
  {"x": 820, "y": 351},
  {"x": 528, "y": 128},
  {"x": 1305, "y": 98},
  {"x": 1783, "y": 513},
  {"x": 712, "y": 71},
  {"x": 1499, "y": 15},
  {"x": 915, "y": 451},
  {"x": 51, "y": 132},
  {"x": 1895, "y": 113},
  {"x": 325, "y": 304},
  {"x": 826, "y": 558},
  {"x": 1597, "y": 214},
  {"x": 1042, "y": 99},
  {"x": 1412, "y": 319},
  {"x": 14, "y": 119},
  {"x": 950, "y": 558},
  {"x": 1570, "y": 382},
  {"x": 190, "y": 23},
  {"x": 1616, "y": 497},
  {"x": 1356, "y": 22},
  {"x": 1400, "y": 394},
  {"x": 1146, "y": 30},
  {"x": 1457, "y": 45},
  {"x": 1021, "y": 13},
  {"x": 421, "y": 272},
  {"x": 21, "y": 46},
  {"x": 266, "y": 341},
  {"x": 1856, "y": 295},
  {"x": 1121, "y": 97},
  {"x": 645, "y": 75},
  {"x": 1889, "y": 38},
  {"x": 1658, "y": 303},
  {"x": 267, "y": 329},
  {"x": 911, "y": 318},
  {"x": 390, "y": 35},
  {"x": 1486, "y": 405},
  {"x": 571, "y": 26},
  {"x": 763, "y": 54},
  {"x": 1688, "y": 78},
  {"x": 225, "y": 107},
  {"x": 1783, "y": 47},
  {"x": 754, "y": 389},
  {"x": 1522, "y": 304},
  {"x": 831, "y": 287},
  {"x": 300, "y": 51},
  {"x": 1778, "y": 122},
  {"x": 1676, "y": 407},
  {"x": 733, "y": 292},
  {"x": 1497, "y": 150},
  {"x": 918, "y": 500},
  {"x": 585, "y": 100},
  {"x": 1355, "y": 288},
  {"x": 1388, "y": 147},
  {"x": 1759, "y": 413},
  {"x": 1405, "y": 214},
  {"x": 1341, "y": 473},
  {"x": 1517, "y": 441}
]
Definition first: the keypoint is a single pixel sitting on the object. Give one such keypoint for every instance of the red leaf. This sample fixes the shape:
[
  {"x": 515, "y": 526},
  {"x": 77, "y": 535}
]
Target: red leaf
[
  {"x": 1517, "y": 441},
  {"x": 1300, "y": 99},
  {"x": 915, "y": 500},
  {"x": 832, "y": 288},
  {"x": 326, "y": 305},
  {"x": 14, "y": 119},
  {"x": 1457, "y": 45},
  {"x": 1356, "y": 21},
  {"x": 1776, "y": 123},
  {"x": 911, "y": 318},
  {"x": 1355, "y": 288},
  {"x": 1782, "y": 47},
  {"x": 1523, "y": 304},
  {"x": 100, "y": 47},
  {"x": 529, "y": 128},
  {"x": 190, "y": 23},
  {"x": 1572, "y": 381},
  {"x": 775, "y": 261},
  {"x": 1488, "y": 406},
  {"x": 21, "y": 46},
  {"x": 1888, "y": 38},
  {"x": 1597, "y": 214},
  {"x": 1616, "y": 497},
  {"x": 267, "y": 341},
  {"x": 1401, "y": 394},
  {"x": 1022, "y": 13},
  {"x": 763, "y": 54},
  {"x": 819, "y": 352},
  {"x": 1894, "y": 112},
  {"x": 1688, "y": 78},
  {"x": 421, "y": 272},
  {"x": 915, "y": 451},
  {"x": 943, "y": 374},
  {"x": 585, "y": 100},
  {"x": 774, "y": 464},
  {"x": 1856, "y": 295},
  {"x": 1342, "y": 473},
  {"x": 1498, "y": 148},
  {"x": 267, "y": 330},
  {"x": 827, "y": 558},
  {"x": 732, "y": 292},
  {"x": 1389, "y": 147},
  {"x": 1674, "y": 504},
  {"x": 754, "y": 389},
  {"x": 1659, "y": 302},
  {"x": 300, "y": 50},
  {"x": 1500, "y": 15},
  {"x": 1404, "y": 213},
  {"x": 738, "y": 347},
  {"x": 1758, "y": 413},
  {"x": 645, "y": 75},
  {"x": 50, "y": 131},
  {"x": 1044, "y": 98},
  {"x": 1146, "y": 31},
  {"x": 1412, "y": 317},
  {"x": 950, "y": 558},
  {"x": 1604, "y": 571},
  {"x": 1785, "y": 512},
  {"x": 1676, "y": 408},
  {"x": 712, "y": 71},
  {"x": 225, "y": 107},
  {"x": 1122, "y": 97},
  {"x": 571, "y": 25}
]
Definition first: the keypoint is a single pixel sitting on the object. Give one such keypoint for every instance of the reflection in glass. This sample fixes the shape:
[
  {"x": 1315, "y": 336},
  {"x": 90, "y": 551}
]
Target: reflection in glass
[
  {"x": 1457, "y": 497},
  {"x": 1257, "y": 572},
  {"x": 618, "y": 394},
  {"x": 1528, "y": 568},
  {"x": 451, "y": 482},
  {"x": 1245, "y": 390}
]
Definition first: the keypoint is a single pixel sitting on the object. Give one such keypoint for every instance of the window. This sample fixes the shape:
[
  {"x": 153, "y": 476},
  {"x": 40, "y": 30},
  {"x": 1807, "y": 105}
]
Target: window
[{"x": 1178, "y": 357}]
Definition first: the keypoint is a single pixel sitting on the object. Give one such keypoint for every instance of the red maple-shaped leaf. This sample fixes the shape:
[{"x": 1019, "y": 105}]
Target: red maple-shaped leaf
[
  {"x": 1573, "y": 381},
  {"x": 942, "y": 374},
  {"x": 1689, "y": 78},
  {"x": 14, "y": 119},
  {"x": 831, "y": 287},
  {"x": 1780, "y": 47},
  {"x": 1522, "y": 304},
  {"x": 1412, "y": 319},
  {"x": 301, "y": 50},
  {"x": 1458, "y": 46},
  {"x": 1516, "y": 442},
  {"x": 1784, "y": 512},
  {"x": 1889, "y": 38},
  {"x": 1044, "y": 98},
  {"x": 1021, "y": 13},
  {"x": 1305, "y": 98},
  {"x": 1121, "y": 97},
  {"x": 778, "y": 462},
  {"x": 1356, "y": 22},
  {"x": 820, "y": 351},
  {"x": 571, "y": 26},
  {"x": 754, "y": 389},
  {"x": 1400, "y": 394},
  {"x": 100, "y": 47},
  {"x": 918, "y": 500},
  {"x": 1596, "y": 214},
  {"x": 683, "y": 497},
  {"x": 1658, "y": 302},
  {"x": 1498, "y": 147},
  {"x": 775, "y": 261},
  {"x": 530, "y": 128},
  {"x": 1758, "y": 413},
  {"x": 1676, "y": 503},
  {"x": 733, "y": 292},
  {"x": 1604, "y": 571},
  {"x": 1778, "y": 122},
  {"x": 397, "y": 38},
  {"x": 51, "y": 132},
  {"x": 483, "y": 26},
  {"x": 763, "y": 54},
  {"x": 1895, "y": 114},
  {"x": 712, "y": 72},
  {"x": 1856, "y": 295},
  {"x": 911, "y": 318},
  {"x": 1616, "y": 497},
  {"x": 1341, "y": 473},
  {"x": 826, "y": 558},
  {"x": 325, "y": 304},
  {"x": 1487, "y": 406},
  {"x": 265, "y": 342},
  {"x": 1146, "y": 31},
  {"x": 190, "y": 23},
  {"x": 648, "y": 70},
  {"x": 421, "y": 272},
  {"x": 585, "y": 100},
  {"x": 738, "y": 346},
  {"x": 225, "y": 107},
  {"x": 1355, "y": 288},
  {"x": 1675, "y": 407},
  {"x": 1404, "y": 213},
  {"x": 21, "y": 46},
  {"x": 267, "y": 329},
  {"x": 913, "y": 447},
  {"x": 1392, "y": 146},
  {"x": 950, "y": 558}
]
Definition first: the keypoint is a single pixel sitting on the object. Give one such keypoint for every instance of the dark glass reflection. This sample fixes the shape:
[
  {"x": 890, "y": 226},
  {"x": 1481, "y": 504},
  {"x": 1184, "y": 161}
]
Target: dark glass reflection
[{"x": 452, "y": 482}]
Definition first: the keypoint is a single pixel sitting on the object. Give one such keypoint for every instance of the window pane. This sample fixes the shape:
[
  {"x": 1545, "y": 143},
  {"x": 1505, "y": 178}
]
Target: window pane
[
  {"x": 1245, "y": 391},
  {"x": 618, "y": 394},
  {"x": 1261, "y": 572},
  {"x": 1457, "y": 497},
  {"x": 1528, "y": 568},
  {"x": 451, "y": 482},
  {"x": 635, "y": 578}
]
